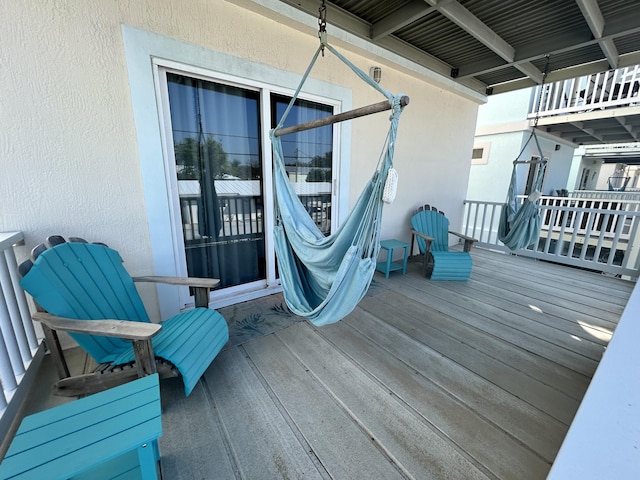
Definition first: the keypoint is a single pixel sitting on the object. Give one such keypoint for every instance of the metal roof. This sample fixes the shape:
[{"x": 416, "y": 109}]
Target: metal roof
[{"x": 495, "y": 46}]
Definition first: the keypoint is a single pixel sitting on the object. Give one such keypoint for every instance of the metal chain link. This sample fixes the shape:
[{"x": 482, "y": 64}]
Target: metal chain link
[
  {"x": 322, "y": 22},
  {"x": 544, "y": 76}
]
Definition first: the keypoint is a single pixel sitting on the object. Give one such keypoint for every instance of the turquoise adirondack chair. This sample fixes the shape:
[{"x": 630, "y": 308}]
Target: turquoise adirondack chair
[
  {"x": 85, "y": 290},
  {"x": 430, "y": 228}
]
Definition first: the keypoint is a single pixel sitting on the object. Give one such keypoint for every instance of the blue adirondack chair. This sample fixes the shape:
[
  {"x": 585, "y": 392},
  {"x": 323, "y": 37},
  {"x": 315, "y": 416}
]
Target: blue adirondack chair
[
  {"x": 85, "y": 290},
  {"x": 430, "y": 228}
]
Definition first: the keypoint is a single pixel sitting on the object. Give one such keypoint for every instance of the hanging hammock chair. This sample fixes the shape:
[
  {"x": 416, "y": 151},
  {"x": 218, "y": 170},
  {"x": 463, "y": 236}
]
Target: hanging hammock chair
[
  {"x": 324, "y": 278},
  {"x": 520, "y": 225}
]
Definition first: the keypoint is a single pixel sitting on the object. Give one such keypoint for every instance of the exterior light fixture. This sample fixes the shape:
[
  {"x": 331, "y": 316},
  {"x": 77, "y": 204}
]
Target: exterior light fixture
[{"x": 375, "y": 73}]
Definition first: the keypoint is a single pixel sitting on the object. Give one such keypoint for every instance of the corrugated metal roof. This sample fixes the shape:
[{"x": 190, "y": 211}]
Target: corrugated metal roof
[{"x": 496, "y": 44}]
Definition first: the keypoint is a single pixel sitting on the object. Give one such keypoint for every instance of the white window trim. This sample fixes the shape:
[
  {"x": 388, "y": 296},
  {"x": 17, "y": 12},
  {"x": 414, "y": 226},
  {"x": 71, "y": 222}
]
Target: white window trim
[{"x": 485, "y": 146}]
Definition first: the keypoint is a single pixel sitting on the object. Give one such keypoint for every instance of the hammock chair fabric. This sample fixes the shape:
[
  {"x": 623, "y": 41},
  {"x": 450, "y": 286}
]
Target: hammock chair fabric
[
  {"x": 520, "y": 225},
  {"x": 324, "y": 278}
]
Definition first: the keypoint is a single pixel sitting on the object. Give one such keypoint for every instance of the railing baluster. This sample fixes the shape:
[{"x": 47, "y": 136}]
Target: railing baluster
[
  {"x": 494, "y": 208},
  {"x": 596, "y": 254},
  {"x": 467, "y": 206},
  {"x": 614, "y": 243},
  {"x": 475, "y": 220},
  {"x": 632, "y": 254},
  {"x": 576, "y": 220},
  {"x": 547, "y": 243},
  {"x": 6, "y": 326},
  {"x": 585, "y": 226},
  {"x": 12, "y": 307},
  {"x": 484, "y": 218},
  {"x": 587, "y": 235}
]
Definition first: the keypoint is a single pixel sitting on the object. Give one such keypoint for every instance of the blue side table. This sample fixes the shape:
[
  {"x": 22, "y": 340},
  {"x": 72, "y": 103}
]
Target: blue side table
[{"x": 389, "y": 266}]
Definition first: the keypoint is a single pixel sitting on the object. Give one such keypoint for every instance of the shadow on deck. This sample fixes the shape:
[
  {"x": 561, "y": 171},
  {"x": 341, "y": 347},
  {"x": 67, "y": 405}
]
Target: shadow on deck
[{"x": 464, "y": 380}]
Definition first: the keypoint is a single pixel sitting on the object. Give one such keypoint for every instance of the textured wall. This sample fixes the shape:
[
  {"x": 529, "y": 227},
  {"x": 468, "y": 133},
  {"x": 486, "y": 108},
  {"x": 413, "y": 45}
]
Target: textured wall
[{"x": 68, "y": 148}]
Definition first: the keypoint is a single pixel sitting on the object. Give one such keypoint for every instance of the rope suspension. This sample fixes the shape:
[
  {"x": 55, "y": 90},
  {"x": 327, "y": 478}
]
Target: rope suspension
[
  {"x": 520, "y": 225},
  {"x": 324, "y": 277}
]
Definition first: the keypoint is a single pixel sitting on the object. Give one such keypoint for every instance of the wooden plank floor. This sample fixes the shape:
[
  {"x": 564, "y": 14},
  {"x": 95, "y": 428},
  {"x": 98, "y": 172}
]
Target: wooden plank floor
[{"x": 424, "y": 380}]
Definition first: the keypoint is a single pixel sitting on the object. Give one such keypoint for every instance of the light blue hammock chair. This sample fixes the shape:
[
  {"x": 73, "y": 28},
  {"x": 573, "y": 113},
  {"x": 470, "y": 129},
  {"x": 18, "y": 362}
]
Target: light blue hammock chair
[
  {"x": 324, "y": 278},
  {"x": 520, "y": 225}
]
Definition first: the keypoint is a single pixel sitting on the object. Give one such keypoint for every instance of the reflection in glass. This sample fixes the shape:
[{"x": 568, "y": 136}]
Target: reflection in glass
[
  {"x": 216, "y": 138},
  {"x": 308, "y": 156}
]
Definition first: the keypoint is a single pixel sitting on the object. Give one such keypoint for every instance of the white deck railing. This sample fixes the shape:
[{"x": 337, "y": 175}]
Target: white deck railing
[
  {"x": 18, "y": 342},
  {"x": 606, "y": 195},
  {"x": 613, "y": 88},
  {"x": 601, "y": 235}
]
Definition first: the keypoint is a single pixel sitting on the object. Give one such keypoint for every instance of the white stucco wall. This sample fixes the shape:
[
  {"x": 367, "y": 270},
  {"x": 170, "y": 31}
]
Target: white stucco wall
[{"x": 70, "y": 146}]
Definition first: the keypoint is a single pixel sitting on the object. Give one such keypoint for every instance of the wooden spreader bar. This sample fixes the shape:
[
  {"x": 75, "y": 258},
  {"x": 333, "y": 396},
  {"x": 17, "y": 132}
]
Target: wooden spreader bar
[
  {"x": 341, "y": 117},
  {"x": 518, "y": 162}
]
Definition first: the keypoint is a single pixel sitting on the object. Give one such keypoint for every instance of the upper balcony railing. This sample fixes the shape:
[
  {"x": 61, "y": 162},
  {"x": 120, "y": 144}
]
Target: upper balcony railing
[{"x": 614, "y": 88}]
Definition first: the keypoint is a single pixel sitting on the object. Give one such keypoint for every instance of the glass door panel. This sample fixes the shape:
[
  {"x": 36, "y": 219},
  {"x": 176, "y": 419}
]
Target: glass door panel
[
  {"x": 308, "y": 156},
  {"x": 216, "y": 138}
]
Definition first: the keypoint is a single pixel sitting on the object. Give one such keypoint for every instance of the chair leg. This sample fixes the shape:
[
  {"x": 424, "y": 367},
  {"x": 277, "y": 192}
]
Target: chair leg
[
  {"x": 53, "y": 344},
  {"x": 145, "y": 361}
]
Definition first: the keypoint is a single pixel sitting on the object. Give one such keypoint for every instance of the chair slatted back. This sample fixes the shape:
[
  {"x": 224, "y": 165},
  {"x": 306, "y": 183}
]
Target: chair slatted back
[
  {"x": 433, "y": 224},
  {"x": 86, "y": 281}
]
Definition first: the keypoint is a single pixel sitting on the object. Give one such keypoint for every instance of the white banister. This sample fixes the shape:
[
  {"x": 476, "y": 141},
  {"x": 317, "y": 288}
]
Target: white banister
[
  {"x": 590, "y": 233},
  {"x": 18, "y": 342}
]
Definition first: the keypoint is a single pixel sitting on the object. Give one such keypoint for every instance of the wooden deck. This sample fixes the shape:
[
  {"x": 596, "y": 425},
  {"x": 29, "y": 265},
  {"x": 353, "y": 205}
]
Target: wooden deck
[
  {"x": 467, "y": 380},
  {"x": 446, "y": 380}
]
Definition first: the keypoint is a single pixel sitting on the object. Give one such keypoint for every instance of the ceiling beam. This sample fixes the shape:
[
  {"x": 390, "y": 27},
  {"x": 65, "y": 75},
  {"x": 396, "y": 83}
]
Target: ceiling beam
[
  {"x": 479, "y": 30},
  {"x": 626, "y": 60},
  {"x": 400, "y": 19},
  {"x": 613, "y": 29},
  {"x": 593, "y": 16},
  {"x": 341, "y": 19},
  {"x": 628, "y": 127},
  {"x": 474, "y": 27}
]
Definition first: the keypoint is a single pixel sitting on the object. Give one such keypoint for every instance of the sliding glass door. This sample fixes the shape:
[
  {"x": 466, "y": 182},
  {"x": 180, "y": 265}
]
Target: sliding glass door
[
  {"x": 216, "y": 140},
  {"x": 222, "y": 173}
]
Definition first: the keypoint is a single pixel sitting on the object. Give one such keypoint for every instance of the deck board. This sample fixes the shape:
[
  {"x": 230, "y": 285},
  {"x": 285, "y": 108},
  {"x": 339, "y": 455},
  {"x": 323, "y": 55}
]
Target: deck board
[
  {"x": 425, "y": 380},
  {"x": 499, "y": 362},
  {"x": 542, "y": 433}
]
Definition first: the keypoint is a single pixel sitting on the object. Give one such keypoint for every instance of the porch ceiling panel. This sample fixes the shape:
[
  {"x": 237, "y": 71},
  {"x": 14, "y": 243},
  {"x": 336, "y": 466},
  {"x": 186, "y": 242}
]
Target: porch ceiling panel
[
  {"x": 628, "y": 44},
  {"x": 493, "y": 45},
  {"x": 610, "y": 130}
]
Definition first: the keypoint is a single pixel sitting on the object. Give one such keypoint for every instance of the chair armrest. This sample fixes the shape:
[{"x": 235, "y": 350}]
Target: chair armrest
[
  {"x": 198, "y": 287},
  {"x": 184, "y": 281},
  {"x": 426, "y": 237},
  {"x": 468, "y": 241},
  {"x": 125, "y": 329},
  {"x": 464, "y": 237},
  {"x": 429, "y": 240}
]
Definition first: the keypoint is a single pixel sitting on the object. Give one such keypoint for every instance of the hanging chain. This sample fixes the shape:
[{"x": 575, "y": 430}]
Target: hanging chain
[
  {"x": 322, "y": 23},
  {"x": 544, "y": 77}
]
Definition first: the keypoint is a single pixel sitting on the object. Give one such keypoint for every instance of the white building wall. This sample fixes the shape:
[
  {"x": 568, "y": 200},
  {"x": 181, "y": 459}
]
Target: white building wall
[
  {"x": 69, "y": 144},
  {"x": 503, "y": 128},
  {"x": 505, "y": 108}
]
